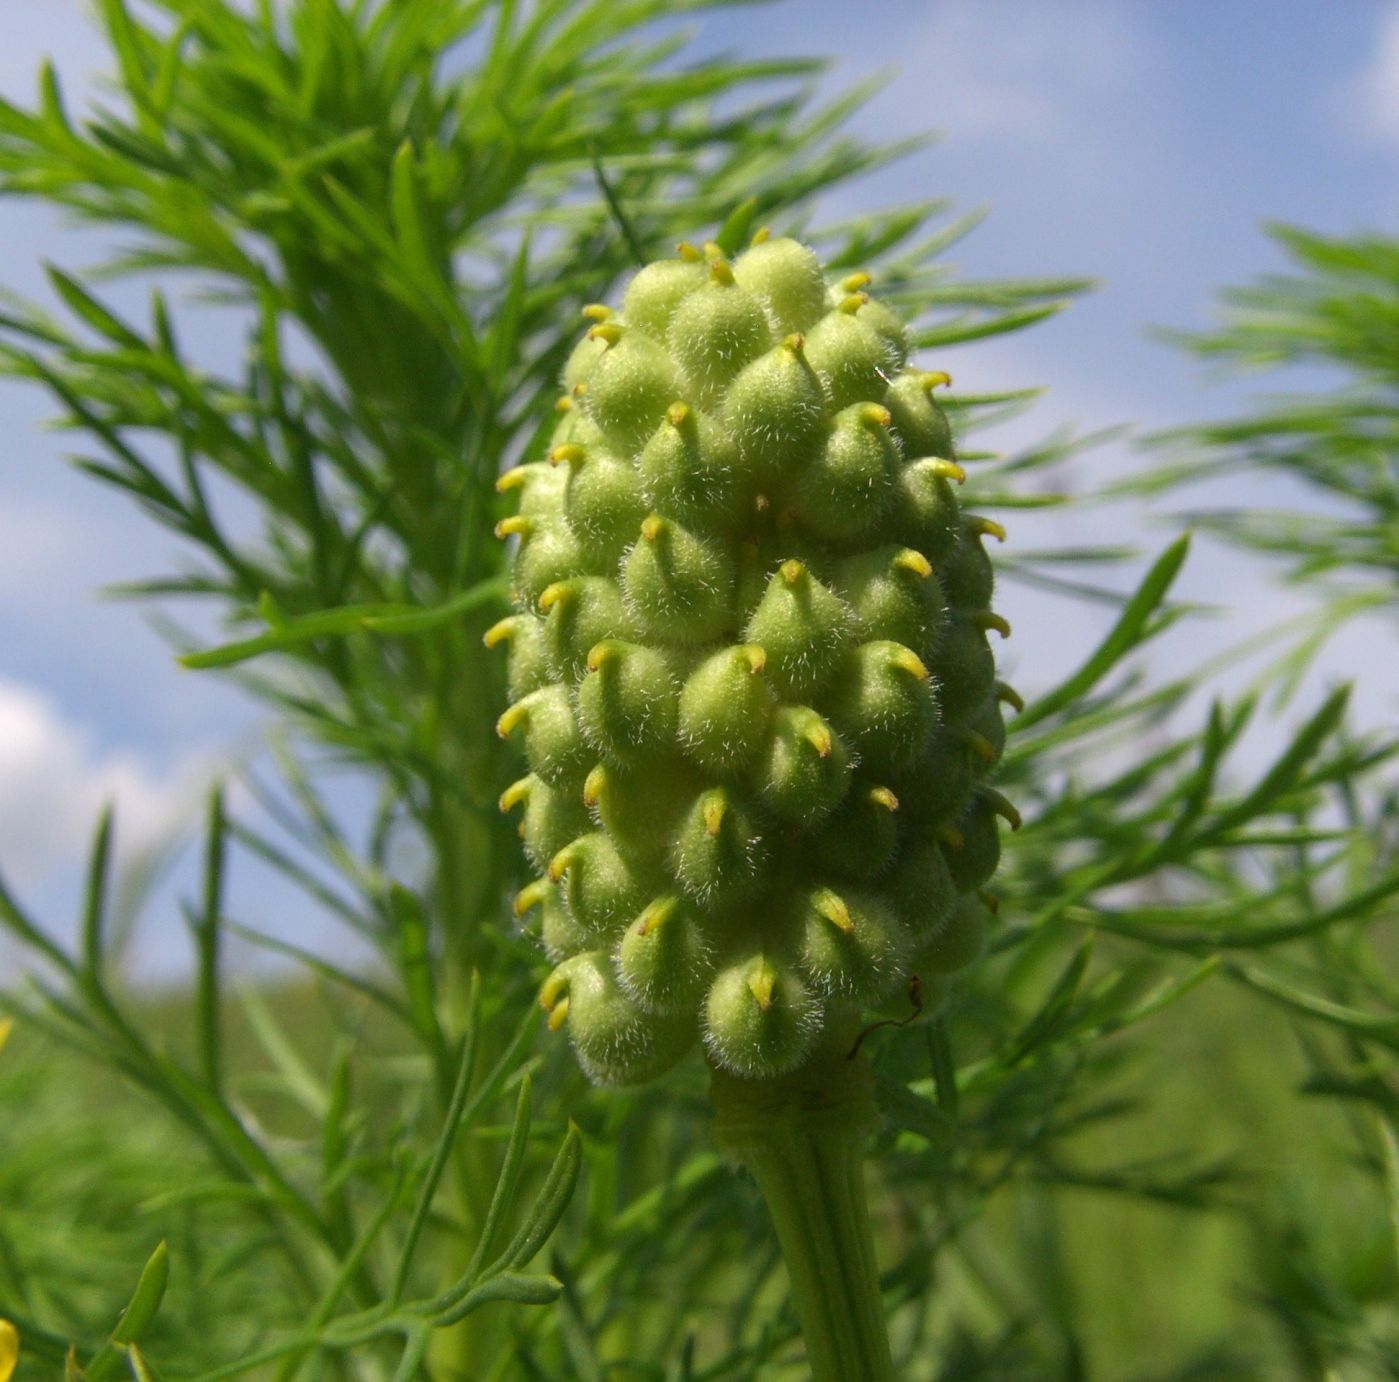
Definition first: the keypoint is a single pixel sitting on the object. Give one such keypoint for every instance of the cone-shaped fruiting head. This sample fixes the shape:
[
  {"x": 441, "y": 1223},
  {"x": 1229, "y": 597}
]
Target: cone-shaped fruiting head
[{"x": 752, "y": 672}]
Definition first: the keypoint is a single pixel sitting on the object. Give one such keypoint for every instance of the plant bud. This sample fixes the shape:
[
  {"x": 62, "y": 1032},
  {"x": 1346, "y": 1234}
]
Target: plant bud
[
  {"x": 526, "y": 663},
  {"x": 629, "y": 388},
  {"x": 974, "y": 848},
  {"x": 559, "y": 934},
  {"x": 552, "y": 817},
  {"x": 628, "y": 699},
  {"x": 925, "y": 509},
  {"x": 718, "y": 857},
  {"x": 893, "y": 594},
  {"x": 880, "y": 700},
  {"x": 842, "y": 496},
  {"x": 726, "y": 709},
  {"x": 690, "y": 471},
  {"x": 936, "y": 785},
  {"x": 921, "y": 889},
  {"x": 545, "y": 556},
  {"x": 666, "y": 958},
  {"x": 858, "y": 840},
  {"x": 886, "y": 325},
  {"x": 804, "y": 769},
  {"x": 679, "y": 587},
  {"x": 785, "y": 277},
  {"x": 802, "y": 627},
  {"x": 657, "y": 290},
  {"x": 578, "y": 614},
  {"x": 958, "y": 942},
  {"x": 852, "y": 361},
  {"x": 966, "y": 666},
  {"x": 921, "y": 425},
  {"x": 760, "y": 1017},
  {"x": 616, "y": 1041},
  {"x": 715, "y": 332},
  {"x": 553, "y": 746},
  {"x": 639, "y": 807},
  {"x": 602, "y": 890},
  {"x": 602, "y": 501},
  {"x": 966, "y": 575},
  {"x": 851, "y": 945},
  {"x": 776, "y": 412}
]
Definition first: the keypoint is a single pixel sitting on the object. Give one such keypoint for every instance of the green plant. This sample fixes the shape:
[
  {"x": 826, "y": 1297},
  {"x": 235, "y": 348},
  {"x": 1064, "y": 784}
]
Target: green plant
[
  {"x": 404, "y": 208},
  {"x": 752, "y": 639}
]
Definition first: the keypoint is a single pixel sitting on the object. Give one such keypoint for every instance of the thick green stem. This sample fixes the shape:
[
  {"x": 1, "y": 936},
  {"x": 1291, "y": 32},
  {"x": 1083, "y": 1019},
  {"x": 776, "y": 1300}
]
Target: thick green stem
[{"x": 801, "y": 1137}]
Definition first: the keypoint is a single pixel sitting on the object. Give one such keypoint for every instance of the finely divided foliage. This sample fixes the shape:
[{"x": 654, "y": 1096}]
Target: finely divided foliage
[{"x": 401, "y": 210}]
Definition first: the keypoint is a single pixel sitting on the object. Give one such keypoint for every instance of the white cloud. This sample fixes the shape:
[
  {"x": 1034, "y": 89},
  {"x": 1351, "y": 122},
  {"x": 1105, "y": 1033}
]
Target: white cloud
[
  {"x": 54, "y": 781},
  {"x": 1019, "y": 69},
  {"x": 1370, "y": 98}
]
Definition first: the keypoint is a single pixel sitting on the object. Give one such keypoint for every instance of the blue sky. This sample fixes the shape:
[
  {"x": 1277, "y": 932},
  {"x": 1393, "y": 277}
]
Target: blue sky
[{"x": 1138, "y": 144}]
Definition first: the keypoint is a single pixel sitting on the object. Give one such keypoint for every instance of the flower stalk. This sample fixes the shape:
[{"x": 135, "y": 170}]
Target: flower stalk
[{"x": 801, "y": 1137}]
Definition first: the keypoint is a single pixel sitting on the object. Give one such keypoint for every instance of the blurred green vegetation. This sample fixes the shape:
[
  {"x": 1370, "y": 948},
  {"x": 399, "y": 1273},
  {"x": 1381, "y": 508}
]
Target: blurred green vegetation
[{"x": 1152, "y": 1135}]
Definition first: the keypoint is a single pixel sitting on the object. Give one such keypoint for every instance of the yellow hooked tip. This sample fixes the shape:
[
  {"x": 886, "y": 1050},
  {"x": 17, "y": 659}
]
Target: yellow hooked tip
[
  {"x": 951, "y": 837},
  {"x": 819, "y": 737},
  {"x": 792, "y": 571},
  {"x": 906, "y": 660},
  {"x": 516, "y": 523},
  {"x": 511, "y": 479},
  {"x": 990, "y": 901},
  {"x": 562, "y": 862},
  {"x": 600, "y": 654},
  {"x": 931, "y": 379},
  {"x": 987, "y": 527},
  {"x": 760, "y": 985},
  {"x": 755, "y": 656},
  {"x": 580, "y": 388},
  {"x": 720, "y": 272},
  {"x": 563, "y": 404},
  {"x": 531, "y": 895},
  {"x": 514, "y": 716},
  {"x": 499, "y": 632},
  {"x": 852, "y": 283},
  {"x": 653, "y": 527},
  {"x": 852, "y": 303},
  {"x": 947, "y": 470},
  {"x": 1003, "y": 808},
  {"x": 882, "y": 796},
  {"x": 569, "y": 451},
  {"x": 608, "y": 332},
  {"x": 712, "y": 251},
  {"x": 832, "y": 906},
  {"x": 1010, "y": 696},
  {"x": 657, "y": 913},
  {"x": 688, "y": 252},
  {"x": 558, "y": 1013},
  {"x": 913, "y": 561},
  {"x": 986, "y": 619},
  {"x": 979, "y": 745},
  {"x": 713, "y": 811},
  {"x": 761, "y": 236},
  {"x": 555, "y": 593},
  {"x": 597, "y": 312},
  {"x": 593, "y": 785},
  {"x": 677, "y": 413},
  {"x": 876, "y": 415},
  {"x": 514, "y": 794}
]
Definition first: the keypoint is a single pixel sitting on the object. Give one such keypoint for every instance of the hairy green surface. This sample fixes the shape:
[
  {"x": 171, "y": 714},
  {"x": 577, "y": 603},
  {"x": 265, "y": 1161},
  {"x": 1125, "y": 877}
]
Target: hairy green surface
[{"x": 407, "y": 206}]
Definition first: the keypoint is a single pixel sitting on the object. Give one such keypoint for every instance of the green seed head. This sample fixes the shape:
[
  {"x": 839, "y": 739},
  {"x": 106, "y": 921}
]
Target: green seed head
[{"x": 750, "y": 671}]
